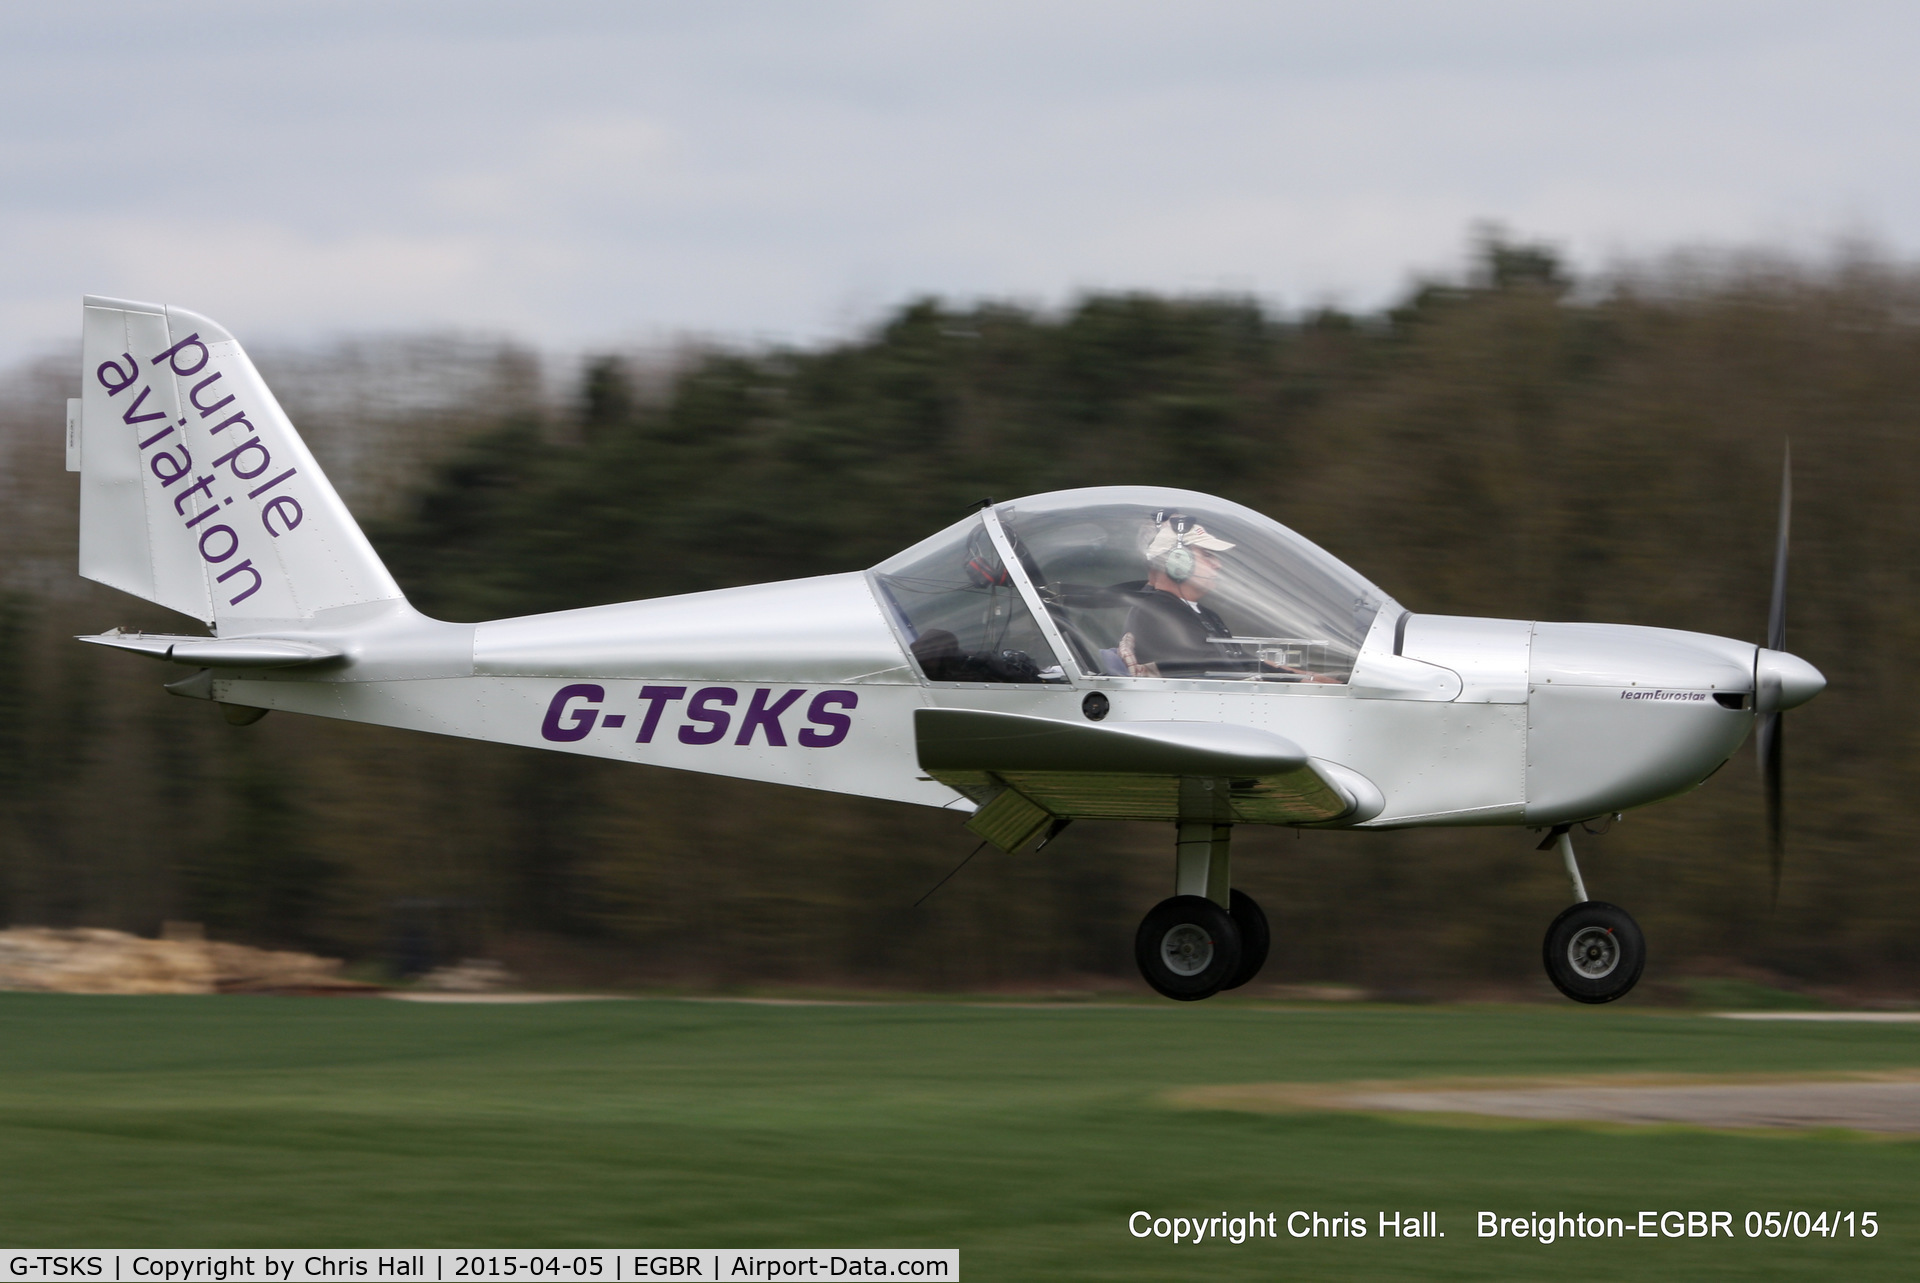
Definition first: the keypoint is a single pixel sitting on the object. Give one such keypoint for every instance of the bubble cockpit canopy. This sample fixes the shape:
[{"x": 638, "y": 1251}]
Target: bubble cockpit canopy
[
  {"x": 963, "y": 615},
  {"x": 1138, "y": 582}
]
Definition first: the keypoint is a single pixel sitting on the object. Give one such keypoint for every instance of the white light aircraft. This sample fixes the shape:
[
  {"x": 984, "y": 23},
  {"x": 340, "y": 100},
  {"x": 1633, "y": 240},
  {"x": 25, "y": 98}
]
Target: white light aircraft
[{"x": 1123, "y": 653}]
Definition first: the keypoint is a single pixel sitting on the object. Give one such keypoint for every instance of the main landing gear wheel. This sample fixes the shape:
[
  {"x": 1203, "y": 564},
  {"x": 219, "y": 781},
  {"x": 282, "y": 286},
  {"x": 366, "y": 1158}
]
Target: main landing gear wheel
[
  {"x": 1255, "y": 937},
  {"x": 1188, "y": 948},
  {"x": 1594, "y": 952}
]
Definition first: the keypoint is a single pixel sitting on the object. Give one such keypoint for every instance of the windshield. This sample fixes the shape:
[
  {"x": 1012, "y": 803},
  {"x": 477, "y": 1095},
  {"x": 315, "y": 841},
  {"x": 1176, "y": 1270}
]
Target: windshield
[
  {"x": 963, "y": 617},
  {"x": 1143, "y": 582}
]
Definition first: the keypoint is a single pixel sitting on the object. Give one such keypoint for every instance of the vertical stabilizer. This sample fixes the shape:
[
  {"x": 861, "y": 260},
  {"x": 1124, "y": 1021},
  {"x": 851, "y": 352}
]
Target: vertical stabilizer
[{"x": 195, "y": 490}]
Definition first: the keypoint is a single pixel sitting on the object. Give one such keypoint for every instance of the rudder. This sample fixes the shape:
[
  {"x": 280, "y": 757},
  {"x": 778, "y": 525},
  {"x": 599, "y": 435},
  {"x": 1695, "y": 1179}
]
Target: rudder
[{"x": 195, "y": 490}]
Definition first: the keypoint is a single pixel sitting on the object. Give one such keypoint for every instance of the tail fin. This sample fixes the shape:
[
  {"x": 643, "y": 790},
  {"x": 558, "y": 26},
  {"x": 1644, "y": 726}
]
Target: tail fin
[{"x": 195, "y": 491}]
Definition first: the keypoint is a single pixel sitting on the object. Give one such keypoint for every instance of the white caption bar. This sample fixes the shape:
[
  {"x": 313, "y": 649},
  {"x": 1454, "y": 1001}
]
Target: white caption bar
[{"x": 442, "y": 1265}]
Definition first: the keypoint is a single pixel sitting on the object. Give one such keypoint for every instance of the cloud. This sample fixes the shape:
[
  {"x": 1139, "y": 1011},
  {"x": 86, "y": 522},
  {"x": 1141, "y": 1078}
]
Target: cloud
[{"x": 580, "y": 172}]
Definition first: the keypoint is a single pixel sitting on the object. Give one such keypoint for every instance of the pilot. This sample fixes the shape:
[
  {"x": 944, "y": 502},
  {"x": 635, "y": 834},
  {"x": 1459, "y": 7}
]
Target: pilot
[{"x": 1168, "y": 629}]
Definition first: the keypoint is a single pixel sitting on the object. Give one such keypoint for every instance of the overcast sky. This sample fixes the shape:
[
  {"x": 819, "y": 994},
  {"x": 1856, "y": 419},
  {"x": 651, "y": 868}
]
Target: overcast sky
[{"x": 583, "y": 173}]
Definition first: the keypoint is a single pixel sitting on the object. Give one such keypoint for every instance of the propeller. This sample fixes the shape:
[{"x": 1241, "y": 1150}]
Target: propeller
[{"x": 1769, "y": 734}]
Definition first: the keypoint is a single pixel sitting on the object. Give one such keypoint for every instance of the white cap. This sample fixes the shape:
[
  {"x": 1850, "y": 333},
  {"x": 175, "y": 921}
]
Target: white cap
[{"x": 1165, "y": 540}]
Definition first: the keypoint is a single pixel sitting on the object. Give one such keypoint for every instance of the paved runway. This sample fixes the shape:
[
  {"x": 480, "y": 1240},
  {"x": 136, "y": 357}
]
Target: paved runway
[
  {"x": 1892, "y": 1107},
  {"x": 1884, "y": 1102}
]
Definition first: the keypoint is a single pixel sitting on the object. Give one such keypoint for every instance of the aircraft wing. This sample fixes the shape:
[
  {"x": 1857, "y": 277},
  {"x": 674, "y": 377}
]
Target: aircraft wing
[{"x": 1025, "y": 772}]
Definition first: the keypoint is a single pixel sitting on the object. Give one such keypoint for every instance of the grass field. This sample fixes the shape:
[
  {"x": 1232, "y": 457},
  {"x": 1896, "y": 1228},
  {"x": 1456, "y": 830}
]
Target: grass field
[{"x": 1023, "y": 1136}]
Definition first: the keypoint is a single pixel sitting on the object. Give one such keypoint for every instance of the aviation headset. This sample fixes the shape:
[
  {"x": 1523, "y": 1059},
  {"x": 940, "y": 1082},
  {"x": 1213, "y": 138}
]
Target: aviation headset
[
  {"x": 984, "y": 567},
  {"x": 1177, "y": 562}
]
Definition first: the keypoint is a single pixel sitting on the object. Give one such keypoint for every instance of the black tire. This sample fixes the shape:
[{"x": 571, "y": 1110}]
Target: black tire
[
  {"x": 1594, "y": 952},
  {"x": 1187, "y": 947},
  {"x": 1255, "y": 937}
]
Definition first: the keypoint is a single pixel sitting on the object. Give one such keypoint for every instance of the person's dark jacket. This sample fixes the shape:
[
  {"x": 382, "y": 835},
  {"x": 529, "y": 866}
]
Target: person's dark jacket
[{"x": 1172, "y": 634}]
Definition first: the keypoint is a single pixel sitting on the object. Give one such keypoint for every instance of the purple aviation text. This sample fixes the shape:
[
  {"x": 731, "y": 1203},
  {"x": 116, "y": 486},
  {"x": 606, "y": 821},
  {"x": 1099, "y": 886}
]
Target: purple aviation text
[{"x": 172, "y": 462}]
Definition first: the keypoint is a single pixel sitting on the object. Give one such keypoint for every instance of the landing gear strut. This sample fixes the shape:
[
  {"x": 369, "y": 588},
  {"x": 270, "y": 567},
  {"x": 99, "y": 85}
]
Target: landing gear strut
[
  {"x": 1208, "y": 936},
  {"x": 1594, "y": 951}
]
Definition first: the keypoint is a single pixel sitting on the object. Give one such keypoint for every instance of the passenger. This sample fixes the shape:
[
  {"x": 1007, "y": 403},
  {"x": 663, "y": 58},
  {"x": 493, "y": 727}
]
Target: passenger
[{"x": 939, "y": 656}]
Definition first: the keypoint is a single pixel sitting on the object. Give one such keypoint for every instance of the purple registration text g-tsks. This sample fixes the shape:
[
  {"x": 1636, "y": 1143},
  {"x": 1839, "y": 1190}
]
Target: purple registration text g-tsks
[{"x": 575, "y": 712}]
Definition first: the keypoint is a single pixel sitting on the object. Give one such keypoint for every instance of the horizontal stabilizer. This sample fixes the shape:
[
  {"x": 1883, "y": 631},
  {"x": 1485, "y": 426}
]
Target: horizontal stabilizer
[{"x": 220, "y": 652}]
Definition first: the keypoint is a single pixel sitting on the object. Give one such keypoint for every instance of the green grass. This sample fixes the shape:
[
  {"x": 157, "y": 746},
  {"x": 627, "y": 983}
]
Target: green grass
[
  {"x": 1023, "y": 1137},
  {"x": 1720, "y": 994}
]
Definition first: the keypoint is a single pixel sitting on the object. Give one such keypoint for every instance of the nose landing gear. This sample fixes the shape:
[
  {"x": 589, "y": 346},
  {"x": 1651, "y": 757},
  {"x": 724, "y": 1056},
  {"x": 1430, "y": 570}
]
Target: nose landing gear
[{"x": 1594, "y": 951}]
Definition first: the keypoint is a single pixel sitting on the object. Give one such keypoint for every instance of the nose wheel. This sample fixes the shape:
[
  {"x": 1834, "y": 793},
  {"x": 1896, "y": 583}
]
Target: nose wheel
[{"x": 1594, "y": 952}]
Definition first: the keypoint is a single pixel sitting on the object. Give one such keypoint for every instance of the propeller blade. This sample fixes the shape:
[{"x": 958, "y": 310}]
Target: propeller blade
[
  {"x": 1769, "y": 737},
  {"x": 1770, "y": 734},
  {"x": 1777, "y": 612}
]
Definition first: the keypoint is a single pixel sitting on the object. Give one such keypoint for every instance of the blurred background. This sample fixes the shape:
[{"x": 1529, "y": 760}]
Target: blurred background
[{"x": 1511, "y": 310}]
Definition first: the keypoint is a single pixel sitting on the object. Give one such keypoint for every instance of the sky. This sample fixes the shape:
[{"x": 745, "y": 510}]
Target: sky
[{"x": 578, "y": 174}]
